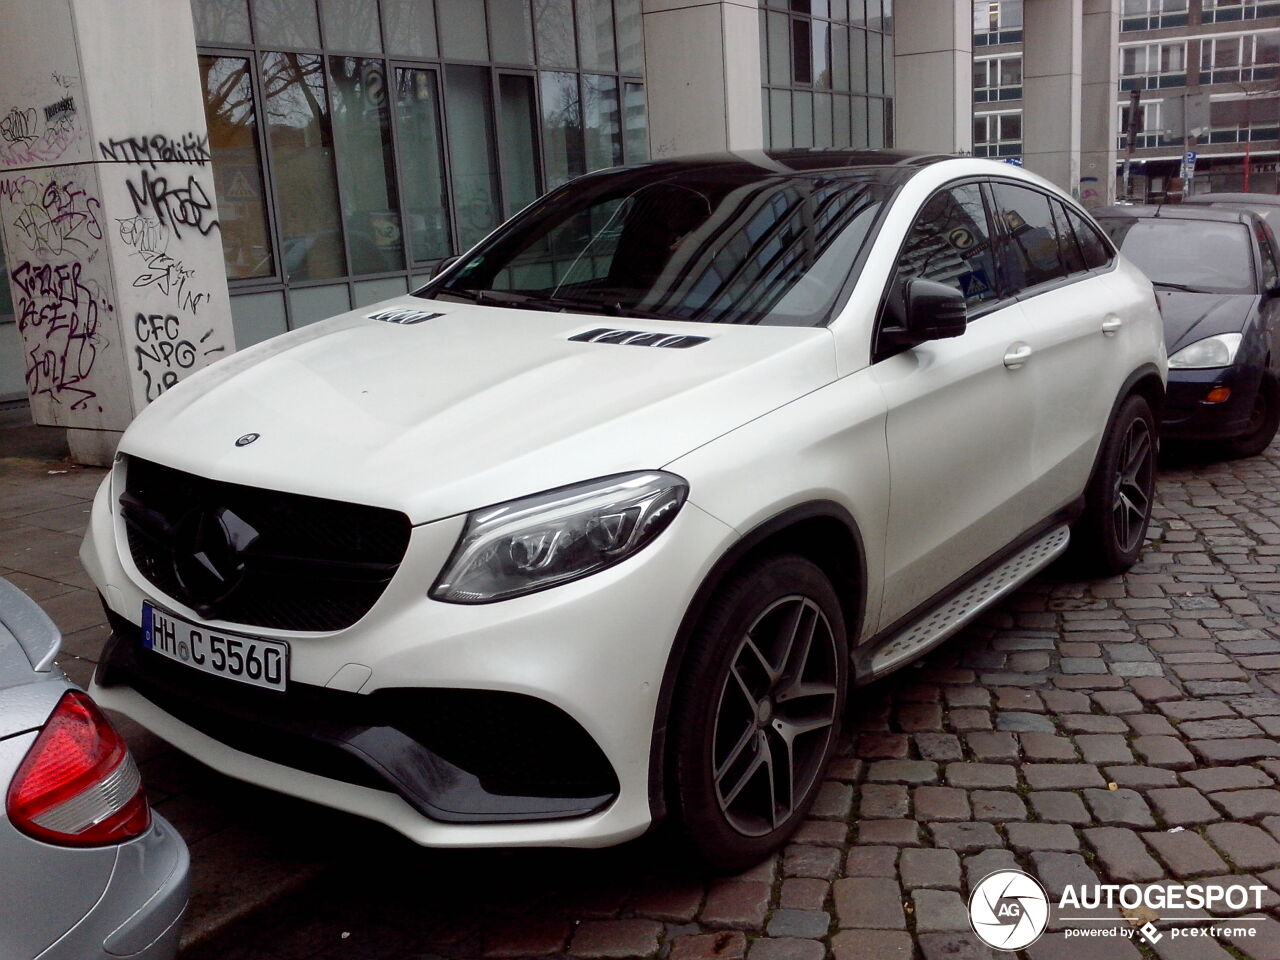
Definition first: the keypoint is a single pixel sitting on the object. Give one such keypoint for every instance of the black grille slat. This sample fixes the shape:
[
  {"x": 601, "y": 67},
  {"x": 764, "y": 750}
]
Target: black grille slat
[
  {"x": 639, "y": 338},
  {"x": 317, "y": 565}
]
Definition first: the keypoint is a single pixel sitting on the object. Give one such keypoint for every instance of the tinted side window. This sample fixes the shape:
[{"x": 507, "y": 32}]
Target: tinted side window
[
  {"x": 1029, "y": 253},
  {"x": 1068, "y": 249},
  {"x": 1095, "y": 249},
  {"x": 950, "y": 243}
]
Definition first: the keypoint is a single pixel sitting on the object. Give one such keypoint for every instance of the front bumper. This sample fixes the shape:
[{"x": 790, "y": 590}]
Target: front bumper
[
  {"x": 595, "y": 650},
  {"x": 1187, "y": 416}
]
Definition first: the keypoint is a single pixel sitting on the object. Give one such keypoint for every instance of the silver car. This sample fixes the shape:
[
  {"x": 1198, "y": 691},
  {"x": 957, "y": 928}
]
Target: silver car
[{"x": 86, "y": 869}]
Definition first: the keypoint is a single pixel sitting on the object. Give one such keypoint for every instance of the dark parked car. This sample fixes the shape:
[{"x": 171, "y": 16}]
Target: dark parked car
[{"x": 1214, "y": 271}]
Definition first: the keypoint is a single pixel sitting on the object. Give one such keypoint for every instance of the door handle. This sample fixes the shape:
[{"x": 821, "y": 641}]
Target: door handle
[
  {"x": 1111, "y": 325},
  {"x": 1017, "y": 354}
]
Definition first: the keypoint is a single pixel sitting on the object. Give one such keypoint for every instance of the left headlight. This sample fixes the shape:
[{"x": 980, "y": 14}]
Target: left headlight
[
  {"x": 1219, "y": 351},
  {"x": 551, "y": 538}
]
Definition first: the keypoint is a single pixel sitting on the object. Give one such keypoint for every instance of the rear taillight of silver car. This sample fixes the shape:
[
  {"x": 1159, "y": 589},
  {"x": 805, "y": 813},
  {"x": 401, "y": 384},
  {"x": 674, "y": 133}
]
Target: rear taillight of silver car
[{"x": 78, "y": 784}]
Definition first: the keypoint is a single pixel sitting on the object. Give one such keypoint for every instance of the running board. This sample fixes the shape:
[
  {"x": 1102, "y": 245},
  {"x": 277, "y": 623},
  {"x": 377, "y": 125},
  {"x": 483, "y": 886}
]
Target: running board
[{"x": 934, "y": 626}]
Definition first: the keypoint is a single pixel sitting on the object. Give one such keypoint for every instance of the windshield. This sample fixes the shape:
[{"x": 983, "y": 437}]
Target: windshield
[
  {"x": 1201, "y": 255},
  {"x": 711, "y": 244}
]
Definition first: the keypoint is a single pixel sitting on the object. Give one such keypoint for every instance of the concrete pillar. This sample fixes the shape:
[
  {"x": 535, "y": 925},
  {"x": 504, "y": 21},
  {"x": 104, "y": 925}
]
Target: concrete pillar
[
  {"x": 1051, "y": 90},
  {"x": 106, "y": 203},
  {"x": 1100, "y": 62},
  {"x": 702, "y": 76},
  {"x": 933, "y": 75}
]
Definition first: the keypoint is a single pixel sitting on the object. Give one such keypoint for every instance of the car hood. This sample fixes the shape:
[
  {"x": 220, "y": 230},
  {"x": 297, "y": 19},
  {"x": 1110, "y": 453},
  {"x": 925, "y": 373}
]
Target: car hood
[
  {"x": 471, "y": 406},
  {"x": 1189, "y": 317}
]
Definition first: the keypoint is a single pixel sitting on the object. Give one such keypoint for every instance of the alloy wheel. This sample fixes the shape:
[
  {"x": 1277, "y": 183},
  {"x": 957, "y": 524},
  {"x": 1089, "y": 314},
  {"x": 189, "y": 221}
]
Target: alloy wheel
[
  {"x": 1134, "y": 485},
  {"x": 776, "y": 715}
]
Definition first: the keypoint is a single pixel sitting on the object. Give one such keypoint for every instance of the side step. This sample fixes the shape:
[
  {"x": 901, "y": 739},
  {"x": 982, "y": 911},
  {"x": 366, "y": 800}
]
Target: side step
[{"x": 934, "y": 626}]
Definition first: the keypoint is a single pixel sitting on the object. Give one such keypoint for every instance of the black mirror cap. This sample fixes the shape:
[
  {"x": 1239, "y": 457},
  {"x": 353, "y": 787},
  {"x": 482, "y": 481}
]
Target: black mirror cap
[{"x": 935, "y": 311}]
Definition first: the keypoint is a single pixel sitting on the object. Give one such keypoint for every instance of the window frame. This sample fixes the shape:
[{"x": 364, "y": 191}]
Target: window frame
[
  {"x": 1147, "y": 78},
  {"x": 991, "y": 66}
]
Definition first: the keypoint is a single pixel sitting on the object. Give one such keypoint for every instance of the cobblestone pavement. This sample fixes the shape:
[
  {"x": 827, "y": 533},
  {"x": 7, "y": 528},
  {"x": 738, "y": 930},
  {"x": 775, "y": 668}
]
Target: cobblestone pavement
[{"x": 1123, "y": 731}]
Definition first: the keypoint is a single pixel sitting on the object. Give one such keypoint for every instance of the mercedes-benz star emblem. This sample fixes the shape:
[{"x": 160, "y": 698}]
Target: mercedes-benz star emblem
[
  {"x": 208, "y": 555},
  {"x": 247, "y": 439}
]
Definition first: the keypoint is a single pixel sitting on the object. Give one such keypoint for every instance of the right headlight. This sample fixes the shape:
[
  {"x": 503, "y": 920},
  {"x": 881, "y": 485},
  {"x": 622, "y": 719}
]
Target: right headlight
[
  {"x": 550, "y": 538},
  {"x": 1218, "y": 351}
]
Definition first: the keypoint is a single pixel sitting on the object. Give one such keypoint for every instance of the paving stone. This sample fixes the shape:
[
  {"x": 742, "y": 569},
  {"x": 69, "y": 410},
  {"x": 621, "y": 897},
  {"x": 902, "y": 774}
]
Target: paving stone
[
  {"x": 898, "y": 833},
  {"x": 883, "y": 800},
  {"x": 1123, "y": 855},
  {"x": 804, "y": 893},
  {"x": 979, "y": 865},
  {"x": 883, "y": 746},
  {"x": 1140, "y": 778},
  {"x": 869, "y": 902},
  {"x": 997, "y": 805},
  {"x": 806, "y": 860},
  {"x": 954, "y": 945},
  {"x": 1218, "y": 729},
  {"x": 1190, "y": 948},
  {"x": 1248, "y": 804},
  {"x": 1061, "y": 776},
  {"x": 903, "y": 771},
  {"x": 1117, "y": 702},
  {"x": 1023, "y": 722},
  {"x": 930, "y": 868},
  {"x": 802, "y": 924},
  {"x": 1092, "y": 723},
  {"x": 919, "y": 717},
  {"x": 736, "y": 904},
  {"x": 726, "y": 945},
  {"x": 1100, "y": 748},
  {"x": 986, "y": 745},
  {"x": 1165, "y": 752},
  {"x": 967, "y": 697},
  {"x": 1185, "y": 853},
  {"x": 526, "y": 937},
  {"x": 941, "y": 803},
  {"x": 963, "y": 719},
  {"x": 1026, "y": 837},
  {"x": 1235, "y": 751},
  {"x": 833, "y": 802},
  {"x": 939, "y": 746},
  {"x": 1044, "y": 746},
  {"x": 1182, "y": 806},
  {"x": 939, "y": 910},
  {"x": 1154, "y": 689},
  {"x": 823, "y": 833},
  {"x": 1012, "y": 698},
  {"x": 1213, "y": 779},
  {"x": 670, "y": 900},
  {"x": 978, "y": 775},
  {"x": 1066, "y": 701},
  {"x": 786, "y": 948},
  {"x": 1150, "y": 725},
  {"x": 616, "y": 938},
  {"x": 1057, "y": 871},
  {"x": 964, "y": 837},
  {"x": 1195, "y": 709},
  {"x": 867, "y": 861},
  {"x": 1247, "y": 846},
  {"x": 871, "y": 945},
  {"x": 1059, "y": 806},
  {"x": 1055, "y": 945}
]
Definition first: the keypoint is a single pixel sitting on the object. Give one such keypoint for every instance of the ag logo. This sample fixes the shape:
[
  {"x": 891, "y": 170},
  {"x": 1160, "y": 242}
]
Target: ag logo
[{"x": 1009, "y": 910}]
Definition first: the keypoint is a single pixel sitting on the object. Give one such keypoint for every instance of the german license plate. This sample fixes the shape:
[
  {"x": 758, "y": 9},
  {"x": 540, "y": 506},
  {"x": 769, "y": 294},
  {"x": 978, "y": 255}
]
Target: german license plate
[{"x": 253, "y": 660}]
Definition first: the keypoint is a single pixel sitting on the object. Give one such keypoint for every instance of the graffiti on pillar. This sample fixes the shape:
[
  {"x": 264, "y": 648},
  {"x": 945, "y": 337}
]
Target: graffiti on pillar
[
  {"x": 52, "y": 216},
  {"x": 157, "y": 148},
  {"x": 60, "y": 314},
  {"x": 163, "y": 352},
  {"x": 41, "y": 132}
]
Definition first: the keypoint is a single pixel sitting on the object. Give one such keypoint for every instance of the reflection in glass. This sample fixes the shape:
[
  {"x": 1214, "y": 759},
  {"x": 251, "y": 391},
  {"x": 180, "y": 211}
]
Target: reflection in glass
[
  {"x": 286, "y": 23},
  {"x": 562, "y": 127},
  {"x": 518, "y": 126},
  {"x": 351, "y": 25},
  {"x": 221, "y": 21},
  {"x": 411, "y": 27},
  {"x": 553, "y": 26},
  {"x": 780, "y": 119},
  {"x": 237, "y": 167},
  {"x": 362, "y": 131},
  {"x": 462, "y": 30},
  {"x": 821, "y": 55},
  {"x": 630, "y": 37},
  {"x": 302, "y": 155},
  {"x": 602, "y": 128},
  {"x": 511, "y": 31},
  {"x": 421, "y": 156},
  {"x": 635, "y": 118},
  {"x": 471, "y": 151},
  {"x": 595, "y": 34}
]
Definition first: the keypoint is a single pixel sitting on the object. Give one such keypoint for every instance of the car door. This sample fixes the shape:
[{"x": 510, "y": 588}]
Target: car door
[
  {"x": 1074, "y": 330},
  {"x": 960, "y": 411}
]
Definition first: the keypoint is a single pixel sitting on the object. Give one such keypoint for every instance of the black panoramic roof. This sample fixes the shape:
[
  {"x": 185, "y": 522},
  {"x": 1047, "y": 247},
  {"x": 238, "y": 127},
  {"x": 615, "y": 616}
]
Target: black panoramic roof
[
  {"x": 1175, "y": 211},
  {"x": 889, "y": 166}
]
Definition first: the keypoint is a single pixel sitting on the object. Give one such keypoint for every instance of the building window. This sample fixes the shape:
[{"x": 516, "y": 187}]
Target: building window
[
  {"x": 827, "y": 67},
  {"x": 356, "y": 143},
  {"x": 1151, "y": 133},
  {"x": 1225, "y": 11},
  {"x": 1152, "y": 14},
  {"x": 996, "y": 22},
  {"x": 997, "y": 78},
  {"x": 1153, "y": 65},
  {"x": 1240, "y": 119},
  {"x": 997, "y": 134},
  {"x": 1240, "y": 58}
]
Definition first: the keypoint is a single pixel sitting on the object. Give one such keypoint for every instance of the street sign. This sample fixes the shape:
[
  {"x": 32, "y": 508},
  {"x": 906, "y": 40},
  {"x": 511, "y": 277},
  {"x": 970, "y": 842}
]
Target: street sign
[
  {"x": 1016, "y": 161},
  {"x": 1188, "y": 165}
]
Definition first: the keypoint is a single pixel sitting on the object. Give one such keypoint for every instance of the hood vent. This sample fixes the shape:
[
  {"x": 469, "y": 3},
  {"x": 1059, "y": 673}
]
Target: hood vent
[
  {"x": 403, "y": 315},
  {"x": 639, "y": 338}
]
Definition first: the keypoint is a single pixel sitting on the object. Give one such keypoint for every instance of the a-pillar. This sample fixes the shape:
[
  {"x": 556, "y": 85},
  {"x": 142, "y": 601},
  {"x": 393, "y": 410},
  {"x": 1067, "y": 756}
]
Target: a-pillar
[
  {"x": 1051, "y": 90},
  {"x": 106, "y": 202},
  {"x": 1100, "y": 35},
  {"x": 933, "y": 75},
  {"x": 702, "y": 76}
]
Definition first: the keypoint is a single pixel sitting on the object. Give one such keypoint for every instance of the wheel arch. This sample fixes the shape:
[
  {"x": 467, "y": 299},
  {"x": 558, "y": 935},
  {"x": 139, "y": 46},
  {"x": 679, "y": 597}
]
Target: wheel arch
[{"x": 823, "y": 532}]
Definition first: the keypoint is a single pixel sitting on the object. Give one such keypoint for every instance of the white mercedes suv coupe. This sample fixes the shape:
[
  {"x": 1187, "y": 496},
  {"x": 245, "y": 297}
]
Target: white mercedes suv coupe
[{"x": 599, "y": 528}]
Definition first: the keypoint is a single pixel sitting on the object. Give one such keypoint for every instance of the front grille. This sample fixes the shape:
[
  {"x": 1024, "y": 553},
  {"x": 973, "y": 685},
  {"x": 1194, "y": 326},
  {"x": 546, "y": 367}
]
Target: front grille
[{"x": 259, "y": 557}]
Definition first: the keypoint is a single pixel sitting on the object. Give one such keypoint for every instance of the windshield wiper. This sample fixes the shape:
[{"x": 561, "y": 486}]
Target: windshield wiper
[
  {"x": 1186, "y": 288},
  {"x": 526, "y": 301}
]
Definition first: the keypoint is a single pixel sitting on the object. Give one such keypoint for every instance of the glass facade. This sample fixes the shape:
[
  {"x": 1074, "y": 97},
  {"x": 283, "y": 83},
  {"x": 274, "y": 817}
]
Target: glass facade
[
  {"x": 356, "y": 143},
  {"x": 827, "y": 67}
]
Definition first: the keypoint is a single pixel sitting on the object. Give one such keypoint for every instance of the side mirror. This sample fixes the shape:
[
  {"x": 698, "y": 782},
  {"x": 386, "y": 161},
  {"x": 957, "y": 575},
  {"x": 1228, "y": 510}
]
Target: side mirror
[
  {"x": 933, "y": 311},
  {"x": 444, "y": 265}
]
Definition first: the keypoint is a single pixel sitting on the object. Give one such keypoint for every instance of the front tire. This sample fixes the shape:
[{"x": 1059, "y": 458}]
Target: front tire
[
  {"x": 1108, "y": 537},
  {"x": 1264, "y": 419},
  {"x": 757, "y": 711}
]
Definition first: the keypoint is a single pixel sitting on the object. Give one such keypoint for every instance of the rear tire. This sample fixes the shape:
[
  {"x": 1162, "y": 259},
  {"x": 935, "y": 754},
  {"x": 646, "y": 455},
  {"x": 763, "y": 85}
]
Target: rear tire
[
  {"x": 1264, "y": 420},
  {"x": 1107, "y": 538},
  {"x": 757, "y": 712}
]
